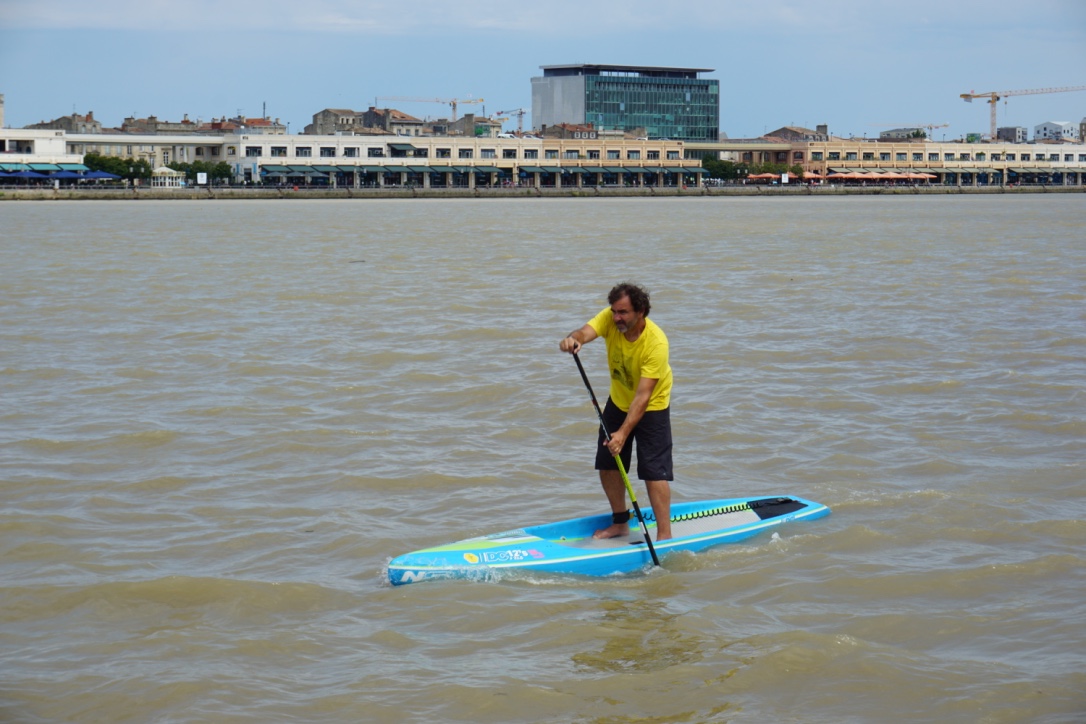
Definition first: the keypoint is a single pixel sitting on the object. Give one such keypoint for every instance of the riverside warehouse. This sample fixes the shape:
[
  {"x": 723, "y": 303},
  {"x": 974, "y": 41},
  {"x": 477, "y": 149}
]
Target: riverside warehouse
[{"x": 445, "y": 162}]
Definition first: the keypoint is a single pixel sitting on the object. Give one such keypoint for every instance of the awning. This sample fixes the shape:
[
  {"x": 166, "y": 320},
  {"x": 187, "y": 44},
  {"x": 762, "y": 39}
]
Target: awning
[
  {"x": 401, "y": 147},
  {"x": 371, "y": 169},
  {"x": 699, "y": 170},
  {"x": 420, "y": 169},
  {"x": 655, "y": 169},
  {"x": 532, "y": 169},
  {"x": 73, "y": 167},
  {"x": 572, "y": 169},
  {"x": 594, "y": 169},
  {"x": 396, "y": 169},
  {"x": 334, "y": 169},
  {"x": 487, "y": 169},
  {"x": 44, "y": 167},
  {"x": 616, "y": 169},
  {"x": 292, "y": 171},
  {"x": 13, "y": 167}
]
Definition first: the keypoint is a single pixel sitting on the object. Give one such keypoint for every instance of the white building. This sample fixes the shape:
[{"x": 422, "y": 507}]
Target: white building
[{"x": 1056, "y": 130}]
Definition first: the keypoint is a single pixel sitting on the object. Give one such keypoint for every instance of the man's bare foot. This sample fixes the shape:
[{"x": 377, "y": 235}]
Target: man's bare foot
[{"x": 614, "y": 530}]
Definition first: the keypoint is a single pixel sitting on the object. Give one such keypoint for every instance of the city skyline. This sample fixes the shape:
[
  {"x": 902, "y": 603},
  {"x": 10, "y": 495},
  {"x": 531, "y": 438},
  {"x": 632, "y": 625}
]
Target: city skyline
[{"x": 858, "y": 67}]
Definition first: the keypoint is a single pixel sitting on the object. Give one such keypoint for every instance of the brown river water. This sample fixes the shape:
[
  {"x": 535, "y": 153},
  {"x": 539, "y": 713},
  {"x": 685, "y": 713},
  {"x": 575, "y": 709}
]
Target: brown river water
[{"x": 220, "y": 420}]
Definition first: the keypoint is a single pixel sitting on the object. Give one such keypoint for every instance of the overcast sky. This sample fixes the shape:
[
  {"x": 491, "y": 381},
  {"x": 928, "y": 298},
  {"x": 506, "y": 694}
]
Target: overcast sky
[{"x": 857, "y": 65}]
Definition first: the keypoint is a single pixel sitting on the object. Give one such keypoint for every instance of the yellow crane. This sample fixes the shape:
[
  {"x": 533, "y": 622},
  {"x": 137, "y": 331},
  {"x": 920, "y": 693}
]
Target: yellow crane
[
  {"x": 519, "y": 113},
  {"x": 451, "y": 102},
  {"x": 994, "y": 96}
]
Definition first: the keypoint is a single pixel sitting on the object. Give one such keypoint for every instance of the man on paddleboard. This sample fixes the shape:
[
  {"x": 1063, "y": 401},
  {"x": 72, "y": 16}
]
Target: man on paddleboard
[{"x": 638, "y": 408}]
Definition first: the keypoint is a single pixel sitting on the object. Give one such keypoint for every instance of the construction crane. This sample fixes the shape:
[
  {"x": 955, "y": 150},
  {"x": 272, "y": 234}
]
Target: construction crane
[
  {"x": 519, "y": 113},
  {"x": 452, "y": 102},
  {"x": 929, "y": 126},
  {"x": 994, "y": 96}
]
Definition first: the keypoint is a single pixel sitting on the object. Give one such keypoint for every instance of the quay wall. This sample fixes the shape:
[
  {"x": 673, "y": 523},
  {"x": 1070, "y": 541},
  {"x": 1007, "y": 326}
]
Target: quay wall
[{"x": 204, "y": 194}]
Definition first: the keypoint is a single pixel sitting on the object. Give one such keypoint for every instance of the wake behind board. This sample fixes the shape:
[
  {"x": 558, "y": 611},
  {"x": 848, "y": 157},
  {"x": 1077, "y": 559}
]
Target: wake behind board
[{"x": 568, "y": 546}]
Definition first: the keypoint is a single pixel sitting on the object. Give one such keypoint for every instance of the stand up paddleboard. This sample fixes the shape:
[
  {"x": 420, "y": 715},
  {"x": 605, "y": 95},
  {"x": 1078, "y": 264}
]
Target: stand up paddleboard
[{"x": 568, "y": 546}]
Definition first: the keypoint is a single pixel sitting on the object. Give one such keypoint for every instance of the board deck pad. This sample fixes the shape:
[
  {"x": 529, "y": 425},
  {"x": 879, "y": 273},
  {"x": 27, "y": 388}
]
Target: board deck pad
[{"x": 679, "y": 529}]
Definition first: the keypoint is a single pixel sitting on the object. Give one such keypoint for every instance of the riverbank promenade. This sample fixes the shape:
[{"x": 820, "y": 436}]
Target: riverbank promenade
[{"x": 287, "y": 193}]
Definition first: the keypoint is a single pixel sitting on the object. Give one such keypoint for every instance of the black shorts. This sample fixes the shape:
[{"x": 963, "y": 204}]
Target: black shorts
[{"x": 653, "y": 437}]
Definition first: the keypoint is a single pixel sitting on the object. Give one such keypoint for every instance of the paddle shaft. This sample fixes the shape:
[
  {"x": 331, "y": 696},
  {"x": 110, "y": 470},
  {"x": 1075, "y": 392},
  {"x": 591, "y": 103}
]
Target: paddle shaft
[{"x": 618, "y": 461}]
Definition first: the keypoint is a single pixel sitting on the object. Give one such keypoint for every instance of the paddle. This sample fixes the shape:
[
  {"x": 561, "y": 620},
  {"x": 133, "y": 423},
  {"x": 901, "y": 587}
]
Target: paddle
[{"x": 618, "y": 461}]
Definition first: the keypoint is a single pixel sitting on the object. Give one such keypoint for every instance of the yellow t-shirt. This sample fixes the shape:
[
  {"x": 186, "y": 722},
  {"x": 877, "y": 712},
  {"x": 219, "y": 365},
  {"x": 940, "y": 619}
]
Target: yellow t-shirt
[{"x": 630, "y": 361}]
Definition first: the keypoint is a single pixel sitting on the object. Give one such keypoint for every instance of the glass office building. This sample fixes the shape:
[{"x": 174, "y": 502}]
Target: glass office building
[{"x": 659, "y": 102}]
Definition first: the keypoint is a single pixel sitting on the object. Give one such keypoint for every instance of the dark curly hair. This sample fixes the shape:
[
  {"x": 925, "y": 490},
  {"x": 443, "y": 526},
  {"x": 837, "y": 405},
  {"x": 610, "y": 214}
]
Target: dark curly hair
[{"x": 639, "y": 297}]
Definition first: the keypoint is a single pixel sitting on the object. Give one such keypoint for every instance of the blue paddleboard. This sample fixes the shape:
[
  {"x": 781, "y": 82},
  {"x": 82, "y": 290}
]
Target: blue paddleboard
[{"x": 568, "y": 546}]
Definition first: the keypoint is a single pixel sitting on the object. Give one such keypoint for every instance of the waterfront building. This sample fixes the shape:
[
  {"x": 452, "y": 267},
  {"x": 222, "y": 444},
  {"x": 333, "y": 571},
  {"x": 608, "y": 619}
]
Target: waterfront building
[
  {"x": 331, "y": 121},
  {"x": 900, "y": 133},
  {"x": 377, "y": 161},
  {"x": 385, "y": 121},
  {"x": 151, "y": 125},
  {"x": 75, "y": 123},
  {"x": 371, "y": 122},
  {"x": 250, "y": 126},
  {"x": 951, "y": 164},
  {"x": 1012, "y": 134},
  {"x": 653, "y": 102},
  {"x": 1057, "y": 130},
  {"x": 472, "y": 162},
  {"x": 799, "y": 133}
]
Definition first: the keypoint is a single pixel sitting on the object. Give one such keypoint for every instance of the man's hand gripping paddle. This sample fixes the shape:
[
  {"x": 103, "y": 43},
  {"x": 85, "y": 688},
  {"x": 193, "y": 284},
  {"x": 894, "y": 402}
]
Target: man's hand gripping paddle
[{"x": 618, "y": 460}]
